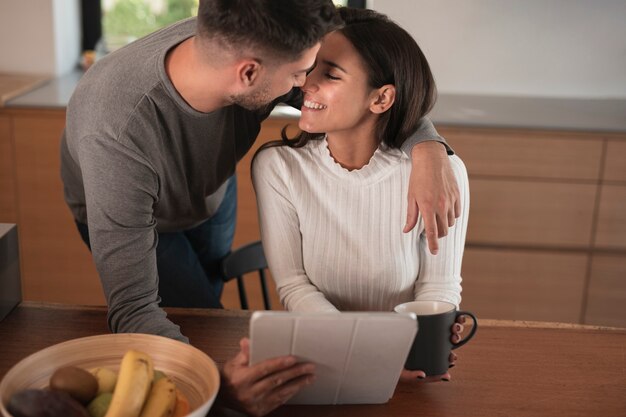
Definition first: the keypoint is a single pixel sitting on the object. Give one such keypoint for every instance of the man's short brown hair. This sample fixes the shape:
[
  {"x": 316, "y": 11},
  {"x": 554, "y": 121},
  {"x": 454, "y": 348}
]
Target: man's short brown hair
[{"x": 279, "y": 28}]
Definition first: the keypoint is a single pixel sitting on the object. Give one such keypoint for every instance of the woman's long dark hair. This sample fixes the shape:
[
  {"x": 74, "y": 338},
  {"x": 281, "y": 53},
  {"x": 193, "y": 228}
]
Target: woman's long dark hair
[{"x": 391, "y": 56}]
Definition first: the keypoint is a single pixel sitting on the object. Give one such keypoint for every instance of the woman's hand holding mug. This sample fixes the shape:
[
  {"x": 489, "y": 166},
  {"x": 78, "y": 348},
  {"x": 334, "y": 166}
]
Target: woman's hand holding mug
[
  {"x": 456, "y": 334},
  {"x": 439, "y": 331}
]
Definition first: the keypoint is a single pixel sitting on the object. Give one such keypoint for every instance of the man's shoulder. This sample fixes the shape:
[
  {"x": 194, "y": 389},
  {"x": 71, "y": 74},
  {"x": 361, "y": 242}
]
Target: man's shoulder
[
  {"x": 114, "y": 91},
  {"x": 128, "y": 73}
]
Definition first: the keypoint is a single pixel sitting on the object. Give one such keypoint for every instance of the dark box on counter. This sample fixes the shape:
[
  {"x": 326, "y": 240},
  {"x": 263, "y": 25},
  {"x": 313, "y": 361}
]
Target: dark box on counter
[{"x": 10, "y": 283}]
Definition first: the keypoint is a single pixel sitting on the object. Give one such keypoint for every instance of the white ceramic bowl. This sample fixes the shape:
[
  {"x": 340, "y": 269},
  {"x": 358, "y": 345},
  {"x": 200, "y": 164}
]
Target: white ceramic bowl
[{"x": 194, "y": 373}]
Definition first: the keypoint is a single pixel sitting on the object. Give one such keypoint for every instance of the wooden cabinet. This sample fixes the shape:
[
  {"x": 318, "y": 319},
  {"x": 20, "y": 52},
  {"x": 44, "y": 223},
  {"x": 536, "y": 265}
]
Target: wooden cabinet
[
  {"x": 615, "y": 162},
  {"x": 56, "y": 266},
  {"x": 547, "y": 230},
  {"x": 544, "y": 204},
  {"x": 520, "y": 284},
  {"x": 247, "y": 229},
  {"x": 611, "y": 227},
  {"x": 546, "y": 237},
  {"x": 527, "y": 154},
  {"x": 530, "y": 213},
  {"x": 8, "y": 207},
  {"x": 55, "y": 263},
  {"x": 607, "y": 290}
]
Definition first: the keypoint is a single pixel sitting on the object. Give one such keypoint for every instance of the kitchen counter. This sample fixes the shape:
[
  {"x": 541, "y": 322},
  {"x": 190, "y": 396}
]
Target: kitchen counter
[
  {"x": 13, "y": 85},
  {"x": 531, "y": 112},
  {"x": 608, "y": 115}
]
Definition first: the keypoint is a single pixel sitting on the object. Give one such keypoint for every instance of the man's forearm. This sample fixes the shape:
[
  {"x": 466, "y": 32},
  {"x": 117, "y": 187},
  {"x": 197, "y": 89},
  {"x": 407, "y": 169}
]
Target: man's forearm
[{"x": 149, "y": 319}]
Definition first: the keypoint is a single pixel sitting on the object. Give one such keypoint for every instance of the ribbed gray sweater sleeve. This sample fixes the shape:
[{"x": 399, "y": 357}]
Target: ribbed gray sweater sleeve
[{"x": 425, "y": 132}]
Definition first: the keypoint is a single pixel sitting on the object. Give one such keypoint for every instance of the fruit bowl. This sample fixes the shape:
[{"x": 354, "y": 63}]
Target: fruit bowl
[{"x": 194, "y": 373}]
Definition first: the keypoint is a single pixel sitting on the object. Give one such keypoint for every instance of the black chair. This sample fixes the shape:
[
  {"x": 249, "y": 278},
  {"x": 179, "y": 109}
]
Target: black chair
[{"x": 248, "y": 258}]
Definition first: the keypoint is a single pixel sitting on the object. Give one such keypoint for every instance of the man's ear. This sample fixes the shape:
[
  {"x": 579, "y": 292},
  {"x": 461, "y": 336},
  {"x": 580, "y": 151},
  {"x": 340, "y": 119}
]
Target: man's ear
[
  {"x": 248, "y": 72},
  {"x": 383, "y": 98}
]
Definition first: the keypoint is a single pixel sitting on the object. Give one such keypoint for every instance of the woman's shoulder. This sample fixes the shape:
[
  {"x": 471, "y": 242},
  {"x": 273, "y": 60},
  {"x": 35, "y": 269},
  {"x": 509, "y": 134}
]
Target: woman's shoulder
[
  {"x": 281, "y": 155},
  {"x": 460, "y": 173},
  {"x": 458, "y": 165},
  {"x": 282, "y": 152},
  {"x": 393, "y": 153}
]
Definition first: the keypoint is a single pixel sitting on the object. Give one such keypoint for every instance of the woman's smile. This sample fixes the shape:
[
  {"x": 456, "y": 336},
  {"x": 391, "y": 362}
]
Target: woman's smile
[{"x": 313, "y": 105}]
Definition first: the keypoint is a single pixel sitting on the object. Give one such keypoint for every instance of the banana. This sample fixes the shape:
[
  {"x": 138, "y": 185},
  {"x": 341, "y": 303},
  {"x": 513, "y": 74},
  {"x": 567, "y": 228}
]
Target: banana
[
  {"x": 161, "y": 400},
  {"x": 106, "y": 379},
  {"x": 133, "y": 385}
]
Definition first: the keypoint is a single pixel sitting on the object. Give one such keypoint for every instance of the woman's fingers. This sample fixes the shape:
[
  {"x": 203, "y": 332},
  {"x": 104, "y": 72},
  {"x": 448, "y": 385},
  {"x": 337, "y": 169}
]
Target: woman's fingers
[
  {"x": 456, "y": 330},
  {"x": 412, "y": 376},
  {"x": 452, "y": 359},
  {"x": 415, "y": 376},
  {"x": 438, "y": 378}
]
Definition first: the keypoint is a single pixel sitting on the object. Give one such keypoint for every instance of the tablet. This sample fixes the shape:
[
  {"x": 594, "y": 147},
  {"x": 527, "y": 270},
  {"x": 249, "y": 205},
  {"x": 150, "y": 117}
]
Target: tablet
[{"x": 358, "y": 356}]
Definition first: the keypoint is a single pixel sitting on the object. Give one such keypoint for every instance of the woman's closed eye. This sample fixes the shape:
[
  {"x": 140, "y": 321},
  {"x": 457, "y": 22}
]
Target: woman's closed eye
[{"x": 331, "y": 76}]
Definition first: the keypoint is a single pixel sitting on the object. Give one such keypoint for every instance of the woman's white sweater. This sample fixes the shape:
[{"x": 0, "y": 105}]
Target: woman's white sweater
[{"x": 333, "y": 238}]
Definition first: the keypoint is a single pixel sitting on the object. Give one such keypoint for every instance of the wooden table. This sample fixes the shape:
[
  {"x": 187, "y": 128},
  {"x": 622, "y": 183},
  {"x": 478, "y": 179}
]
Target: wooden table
[{"x": 509, "y": 369}]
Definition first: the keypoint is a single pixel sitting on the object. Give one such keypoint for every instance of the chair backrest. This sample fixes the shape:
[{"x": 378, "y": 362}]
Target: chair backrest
[{"x": 248, "y": 258}]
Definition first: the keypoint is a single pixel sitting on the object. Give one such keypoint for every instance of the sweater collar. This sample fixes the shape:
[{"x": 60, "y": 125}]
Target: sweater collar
[{"x": 383, "y": 162}]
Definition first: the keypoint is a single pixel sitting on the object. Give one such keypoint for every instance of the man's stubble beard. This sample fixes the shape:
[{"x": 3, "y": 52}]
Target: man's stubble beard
[{"x": 255, "y": 100}]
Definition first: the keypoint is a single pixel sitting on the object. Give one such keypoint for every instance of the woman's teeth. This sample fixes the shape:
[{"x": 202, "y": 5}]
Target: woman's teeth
[{"x": 312, "y": 105}]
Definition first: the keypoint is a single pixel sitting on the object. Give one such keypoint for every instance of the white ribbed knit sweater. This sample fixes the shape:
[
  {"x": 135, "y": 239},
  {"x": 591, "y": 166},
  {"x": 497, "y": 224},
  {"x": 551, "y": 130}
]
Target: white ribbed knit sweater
[{"x": 333, "y": 238}]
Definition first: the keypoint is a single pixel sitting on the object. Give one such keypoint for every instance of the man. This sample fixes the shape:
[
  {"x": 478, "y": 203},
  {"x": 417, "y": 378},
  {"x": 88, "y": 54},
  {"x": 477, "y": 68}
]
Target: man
[{"x": 153, "y": 135}]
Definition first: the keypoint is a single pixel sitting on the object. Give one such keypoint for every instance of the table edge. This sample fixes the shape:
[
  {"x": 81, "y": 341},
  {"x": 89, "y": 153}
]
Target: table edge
[{"x": 247, "y": 313}]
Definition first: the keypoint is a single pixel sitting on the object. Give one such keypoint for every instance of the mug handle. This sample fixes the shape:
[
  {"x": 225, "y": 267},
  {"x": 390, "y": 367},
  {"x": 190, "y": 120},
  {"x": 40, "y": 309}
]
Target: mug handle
[{"x": 471, "y": 333}]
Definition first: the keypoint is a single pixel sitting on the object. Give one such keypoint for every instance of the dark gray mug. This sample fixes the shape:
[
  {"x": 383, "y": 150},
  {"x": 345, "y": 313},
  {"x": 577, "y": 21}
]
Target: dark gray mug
[{"x": 432, "y": 345}]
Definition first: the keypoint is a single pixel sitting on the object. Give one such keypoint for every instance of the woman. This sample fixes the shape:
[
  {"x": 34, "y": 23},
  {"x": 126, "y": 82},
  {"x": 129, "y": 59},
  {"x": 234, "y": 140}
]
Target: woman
[{"x": 322, "y": 197}]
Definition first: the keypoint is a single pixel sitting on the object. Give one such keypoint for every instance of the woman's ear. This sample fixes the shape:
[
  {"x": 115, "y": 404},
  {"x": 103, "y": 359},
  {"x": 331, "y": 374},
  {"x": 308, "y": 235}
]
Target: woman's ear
[{"x": 383, "y": 98}]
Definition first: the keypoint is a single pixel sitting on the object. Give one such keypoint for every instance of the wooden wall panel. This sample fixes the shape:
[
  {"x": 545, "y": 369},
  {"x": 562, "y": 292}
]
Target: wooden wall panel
[
  {"x": 56, "y": 264},
  {"x": 526, "y": 154},
  {"x": 532, "y": 202},
  {"x": 50, "y": 237},
  {"x": 615, "y": 166},
  {"x": 8, "y": 203},
  {"x": 247, "y": 216},
  {"x": 530, "y": 213},
  {"x": 611, "y": 229},
  {"x": 248, "y": 223},
  {"x": 523, "y": 285},
  {"x": 607, "y": 291}
]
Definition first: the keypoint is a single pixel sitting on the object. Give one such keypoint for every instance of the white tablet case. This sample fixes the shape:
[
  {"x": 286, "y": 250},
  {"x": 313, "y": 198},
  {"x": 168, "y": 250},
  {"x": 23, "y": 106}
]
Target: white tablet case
[{"x": 358, "y": 356}]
